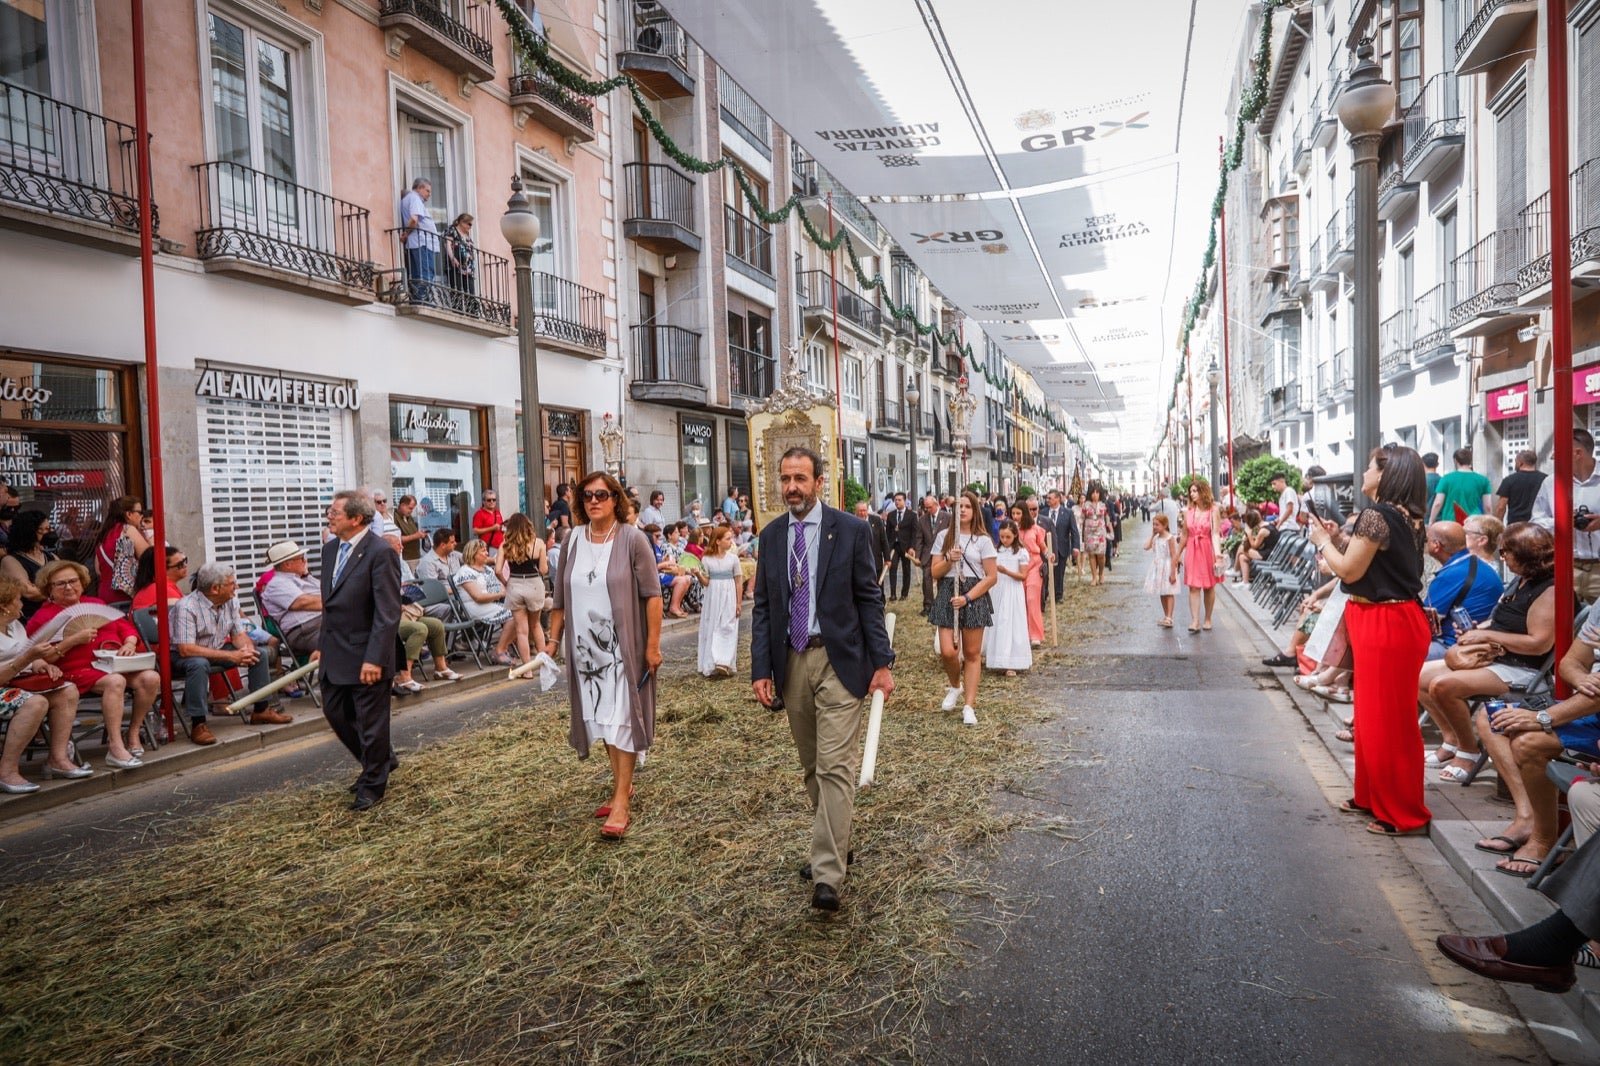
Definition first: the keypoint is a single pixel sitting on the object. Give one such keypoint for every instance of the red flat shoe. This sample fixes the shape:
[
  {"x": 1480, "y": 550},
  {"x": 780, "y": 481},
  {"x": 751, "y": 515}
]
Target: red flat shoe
[
  {"x": 605, "y": 812},
  {"x": 610, "y": 832}
]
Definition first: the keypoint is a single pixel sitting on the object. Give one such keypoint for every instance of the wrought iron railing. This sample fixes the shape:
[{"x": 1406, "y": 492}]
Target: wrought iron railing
[
  {"x": 567, "y": 311},
  {"x": 750, "y": 373},
  {"x": 804, "y": 170},
  {"x": 1394, "y": 341},
  {"x": 1435, "y": 114},
  {"x": 250, "y": 215},
  {"x": 531, "y": 80},
  {"x": 1485, "y": 12},
  {"x": 666, "y": 355},
  {"x": 1343, "y": 372},
  {"x": 1533, "y": 233},
  {"x": 814, "y": 289},
  {"x": 845, "y": 204},
  {"x": 1432, "y": 327},
  {"x": 461, "y": 22},
  {"x": 748, "y": 240},
  {"x": 1586, "y": 212},
  {"x": 1334, "y": 235},
  {"x": 1314, "y": 262},
  {"x": 659, "y": 193},
  {"x": 889, "y": 416},
  {"x": 742, "y": 112},
  {"x": 651, "y": 30},
  {"x": 1350, "y": 219},
  {"x": 62, "y": 159},
  {"x": 1480, "y": 277},
  {"x": 474, "y": 284}
]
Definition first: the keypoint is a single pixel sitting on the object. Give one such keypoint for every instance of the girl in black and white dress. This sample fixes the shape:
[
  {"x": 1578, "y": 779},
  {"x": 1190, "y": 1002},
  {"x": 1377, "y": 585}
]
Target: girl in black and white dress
[{"x": 963, "y": 550}]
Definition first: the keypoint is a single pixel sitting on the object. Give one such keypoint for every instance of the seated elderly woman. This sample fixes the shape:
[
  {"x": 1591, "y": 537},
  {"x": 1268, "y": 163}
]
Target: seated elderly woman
[
  {"x": 31, "y": 687},
  {"x": 63, "y": 582},
  {"x": 1507, "y": 650},
  {"x": 484, "y": 596}
]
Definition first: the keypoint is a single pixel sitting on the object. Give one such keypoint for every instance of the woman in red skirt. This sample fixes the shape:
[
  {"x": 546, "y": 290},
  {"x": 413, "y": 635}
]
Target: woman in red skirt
[{"x": 1380, "y": 567}]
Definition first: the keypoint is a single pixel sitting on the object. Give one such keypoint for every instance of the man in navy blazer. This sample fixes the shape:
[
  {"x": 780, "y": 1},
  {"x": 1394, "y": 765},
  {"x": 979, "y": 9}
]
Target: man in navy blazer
[
  {"x": 818, "y": 646},
  {"x": 360, "y": 619}
]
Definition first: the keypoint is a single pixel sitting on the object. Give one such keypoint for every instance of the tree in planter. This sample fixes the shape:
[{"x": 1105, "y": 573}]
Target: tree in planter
[
  {"x": 1024, "y": 491},
  {"x": 1255, "y": 478},
  {"x": 854, "y": 493},
  {"x": 980, "y": 488}
]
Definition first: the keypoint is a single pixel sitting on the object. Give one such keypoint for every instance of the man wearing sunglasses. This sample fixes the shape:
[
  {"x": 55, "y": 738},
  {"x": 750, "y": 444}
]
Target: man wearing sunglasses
[{"x": 489, "y": 523}]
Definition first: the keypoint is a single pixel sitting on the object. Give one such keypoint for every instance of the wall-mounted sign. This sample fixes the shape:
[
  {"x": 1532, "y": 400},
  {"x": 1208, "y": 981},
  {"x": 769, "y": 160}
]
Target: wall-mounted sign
[
  {"x": 433, "y": 421},
  {"x": 1509, "y": 402},
  {"x": 277, "y": 388},
  {"x": 696, "y": 432},
  {"x": 1586, "y": 385},
  {"x": 15, "y": 391}
]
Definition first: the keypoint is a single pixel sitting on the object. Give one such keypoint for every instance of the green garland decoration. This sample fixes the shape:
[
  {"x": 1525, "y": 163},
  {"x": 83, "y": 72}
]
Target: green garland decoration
[
  {"x": 1251, "y": 103},
  {"x": 532, "y": 49}
]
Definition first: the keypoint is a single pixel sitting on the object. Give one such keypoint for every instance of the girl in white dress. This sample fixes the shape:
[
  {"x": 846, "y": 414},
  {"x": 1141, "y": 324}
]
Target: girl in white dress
[
  {"x": 1006, "y": 642},
  {"x": 1162, "y": 580},
  {"x": 719, "y": 611}
]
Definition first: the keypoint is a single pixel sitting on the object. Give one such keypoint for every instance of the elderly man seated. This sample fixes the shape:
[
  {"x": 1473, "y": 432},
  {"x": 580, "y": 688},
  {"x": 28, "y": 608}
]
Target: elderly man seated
[
  {"x": 1463, "y": 581},
  {"x": 207, "y": 629},
  {"x": 293, "y": 598}
]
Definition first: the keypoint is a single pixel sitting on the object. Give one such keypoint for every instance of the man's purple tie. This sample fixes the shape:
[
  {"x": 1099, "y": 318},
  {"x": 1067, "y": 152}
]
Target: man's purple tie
[{"x": 799, "y": 601}]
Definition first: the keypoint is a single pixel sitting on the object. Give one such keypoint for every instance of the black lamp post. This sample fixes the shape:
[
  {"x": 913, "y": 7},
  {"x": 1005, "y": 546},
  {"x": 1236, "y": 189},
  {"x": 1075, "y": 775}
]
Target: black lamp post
[{"x": 520, "y": 227}]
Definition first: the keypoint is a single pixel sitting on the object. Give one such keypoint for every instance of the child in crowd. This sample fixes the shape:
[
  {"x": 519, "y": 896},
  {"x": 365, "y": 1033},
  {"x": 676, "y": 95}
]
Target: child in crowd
[
  {"x": 719, "y": 575},
  {"x": 1162, "y": 580},
  {"x": 1006, "y": 645}
]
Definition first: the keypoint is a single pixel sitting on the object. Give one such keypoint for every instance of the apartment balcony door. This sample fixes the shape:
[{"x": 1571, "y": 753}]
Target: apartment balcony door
[{"x": 254, "y": 98}]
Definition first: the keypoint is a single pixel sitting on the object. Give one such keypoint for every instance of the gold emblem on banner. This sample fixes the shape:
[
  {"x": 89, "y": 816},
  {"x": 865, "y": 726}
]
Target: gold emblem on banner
[{"x": 792, "y": 417}]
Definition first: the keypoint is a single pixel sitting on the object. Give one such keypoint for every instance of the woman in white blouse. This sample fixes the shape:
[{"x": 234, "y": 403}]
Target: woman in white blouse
[
  {"x": 21, "y": 659},
  {"x": 483, "y": 596}
]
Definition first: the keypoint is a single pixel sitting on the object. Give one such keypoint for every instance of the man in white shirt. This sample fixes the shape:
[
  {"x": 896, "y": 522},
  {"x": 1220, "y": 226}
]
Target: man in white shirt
[
  {"x": 422, "y": 239},
  {"x": 293, "y": 598},
  {"x": 440, "y": 562},
  {"x": 1288, "y": 500},
  {"x": 652, "y": 516},
  {"x": 1586, "y": 515}
]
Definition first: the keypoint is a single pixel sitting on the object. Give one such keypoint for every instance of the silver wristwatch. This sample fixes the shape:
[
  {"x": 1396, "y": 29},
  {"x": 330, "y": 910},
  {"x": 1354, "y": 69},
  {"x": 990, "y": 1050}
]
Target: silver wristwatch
[{"x": 1544, "y": 721}]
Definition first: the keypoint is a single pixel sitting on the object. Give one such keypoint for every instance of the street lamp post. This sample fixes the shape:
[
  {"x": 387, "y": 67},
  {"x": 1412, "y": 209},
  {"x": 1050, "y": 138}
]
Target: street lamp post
[
  {"x": 520, "y": 227},
  {"x": 1365, "y": 106},
  {"x": 913, "y": 415},
  {"x": 1213, "y": 375}
]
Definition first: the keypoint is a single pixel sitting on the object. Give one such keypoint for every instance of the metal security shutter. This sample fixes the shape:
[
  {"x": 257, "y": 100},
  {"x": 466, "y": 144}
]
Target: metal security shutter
[
  {"x": 1513, "y": 439},
  {"x": 267, "y": 473},
  {"x": 1511, "y": 187},
  {"x": 1587, "y": 116}
]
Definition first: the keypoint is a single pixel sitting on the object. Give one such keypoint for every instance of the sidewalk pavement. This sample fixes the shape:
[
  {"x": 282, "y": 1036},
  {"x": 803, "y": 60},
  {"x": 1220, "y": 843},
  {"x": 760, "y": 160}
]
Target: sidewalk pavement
[{"x": 1461, "y": 815}]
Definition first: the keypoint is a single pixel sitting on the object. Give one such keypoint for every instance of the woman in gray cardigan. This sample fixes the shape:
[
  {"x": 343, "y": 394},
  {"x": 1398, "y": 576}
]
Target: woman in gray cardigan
[{"x": 607, "y": 604}]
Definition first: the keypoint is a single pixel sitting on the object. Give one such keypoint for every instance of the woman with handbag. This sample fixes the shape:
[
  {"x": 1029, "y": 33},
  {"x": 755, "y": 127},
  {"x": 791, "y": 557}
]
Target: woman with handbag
[
  {"x": 31, "y": 687},
  {"x": 1380, "y": 570},
  {"x": 963, "y": 549},
  {"x": 1201, "y": 552},
  {"x": 118, "y": 545}
]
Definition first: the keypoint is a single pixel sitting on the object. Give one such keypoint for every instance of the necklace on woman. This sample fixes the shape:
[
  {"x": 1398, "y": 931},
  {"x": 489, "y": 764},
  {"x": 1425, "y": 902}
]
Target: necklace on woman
[{"x": 588, "y": 535}]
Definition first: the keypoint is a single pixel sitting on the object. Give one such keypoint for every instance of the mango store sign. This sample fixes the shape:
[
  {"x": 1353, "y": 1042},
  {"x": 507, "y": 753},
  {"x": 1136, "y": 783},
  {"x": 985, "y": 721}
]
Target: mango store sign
[{"x": 278, "y": 388}]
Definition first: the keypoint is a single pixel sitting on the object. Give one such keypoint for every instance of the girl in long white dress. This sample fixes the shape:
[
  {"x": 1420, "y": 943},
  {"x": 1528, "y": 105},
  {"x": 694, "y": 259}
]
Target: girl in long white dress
[
  {"x": 719, "y": 611},
  {"x": 1162, "y": 580},
  {"x": 1006, "y": 644}
]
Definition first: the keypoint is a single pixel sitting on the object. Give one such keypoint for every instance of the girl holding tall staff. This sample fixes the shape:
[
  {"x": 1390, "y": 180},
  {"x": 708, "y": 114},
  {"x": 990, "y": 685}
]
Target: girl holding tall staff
[{"x": 963, "y": 551}]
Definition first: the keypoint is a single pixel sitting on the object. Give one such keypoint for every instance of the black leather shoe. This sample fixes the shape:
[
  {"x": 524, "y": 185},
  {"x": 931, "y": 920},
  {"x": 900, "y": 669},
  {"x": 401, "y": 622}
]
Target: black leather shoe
[
  {"x": 394, "y": 764},
  {"x": 824, "y": 898},
  {"x": 805, "y": 871},
  {"x": 365, "y": 801},
  {"x": 1281, "y": 660},
  {"x": 1485, "y": 956}
]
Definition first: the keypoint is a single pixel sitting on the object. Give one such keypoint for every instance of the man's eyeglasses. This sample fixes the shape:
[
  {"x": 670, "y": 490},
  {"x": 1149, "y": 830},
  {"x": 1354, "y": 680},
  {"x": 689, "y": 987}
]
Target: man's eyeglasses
[
  {"x": 490, "y": 499},
  {"x": 598, "y": 495},
  {"x": 380, "y": 499},
  {"x": 177, "y": 564}
]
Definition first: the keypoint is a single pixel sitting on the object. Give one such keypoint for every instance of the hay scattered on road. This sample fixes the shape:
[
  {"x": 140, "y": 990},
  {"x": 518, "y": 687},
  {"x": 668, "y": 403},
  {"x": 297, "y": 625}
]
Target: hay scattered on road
[{"x": 476, "y": 918}]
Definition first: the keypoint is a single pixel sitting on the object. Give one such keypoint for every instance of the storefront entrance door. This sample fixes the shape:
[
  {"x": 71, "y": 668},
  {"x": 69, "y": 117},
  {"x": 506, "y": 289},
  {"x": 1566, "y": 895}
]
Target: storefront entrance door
[{"x": 563, "y": 450}]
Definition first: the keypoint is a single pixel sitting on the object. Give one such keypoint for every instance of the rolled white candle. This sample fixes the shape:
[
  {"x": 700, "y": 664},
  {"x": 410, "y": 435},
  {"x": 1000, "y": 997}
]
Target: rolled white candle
[
  {"x": 266, "y": 690},
  {"x": 869, "y": 757}
]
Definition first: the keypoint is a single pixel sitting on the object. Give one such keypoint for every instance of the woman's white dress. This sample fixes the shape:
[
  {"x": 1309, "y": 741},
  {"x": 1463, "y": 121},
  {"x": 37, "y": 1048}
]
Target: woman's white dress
[
  {"x": 599, "y": 650},
  {"x": 1006, "y": 641},
  {"x": 719, "y": 622}
]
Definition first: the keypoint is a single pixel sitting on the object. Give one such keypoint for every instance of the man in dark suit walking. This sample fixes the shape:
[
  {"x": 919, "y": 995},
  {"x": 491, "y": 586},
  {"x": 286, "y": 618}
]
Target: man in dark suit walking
[
  {"x": 360, "y": 619},
  {"x": 1063, "y": 524},
  {"x": 929, "y": 523},
  {"x": 818, "y": 646},
  {"x": 899, "y": 524},
  {"x": 879, "y": 537}
]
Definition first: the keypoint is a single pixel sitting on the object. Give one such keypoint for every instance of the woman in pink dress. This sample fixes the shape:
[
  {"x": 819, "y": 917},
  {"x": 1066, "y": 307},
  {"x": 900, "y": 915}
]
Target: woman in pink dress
[
  {"x": 1032, "y": 536},
  {"x": 1199, "y": 552}
]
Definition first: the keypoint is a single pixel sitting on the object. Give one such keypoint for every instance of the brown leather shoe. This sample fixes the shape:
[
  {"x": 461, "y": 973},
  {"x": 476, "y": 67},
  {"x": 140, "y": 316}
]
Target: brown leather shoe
[
  {"x": 269, "y": 717},
  {"x": 201, "y": 733},
  {"x": 1485, "y": 956}
]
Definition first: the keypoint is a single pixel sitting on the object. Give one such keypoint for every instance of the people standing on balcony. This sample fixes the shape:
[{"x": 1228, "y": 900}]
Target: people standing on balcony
[
  {"x": 421, "y": 240},
  {"x": 1586, "y": 516},
  {"x": 118, "y": 546},
  {"x": 1513, "y": 500},
  {"x": 1463, "y": 490},
  {"x": 489, "y": 523},
  {"x": 461, "y": 264},
  {"x": 1380, "y": 569},
  {"x": 1201, "y": 552}
]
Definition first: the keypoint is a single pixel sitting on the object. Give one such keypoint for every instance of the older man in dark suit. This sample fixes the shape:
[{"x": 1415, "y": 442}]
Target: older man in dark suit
[
  {"x": 929, "y": 522},
  {"x": 818, "y": 646},
  {"x": 361, "y": 616},
  {"x": 879, "y": 535},
  {"x": 1059, "y": 518}
]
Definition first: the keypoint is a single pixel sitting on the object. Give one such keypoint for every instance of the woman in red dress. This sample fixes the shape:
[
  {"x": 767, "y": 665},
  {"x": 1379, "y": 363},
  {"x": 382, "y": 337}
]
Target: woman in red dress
[{"x": 1199, "y": 552}]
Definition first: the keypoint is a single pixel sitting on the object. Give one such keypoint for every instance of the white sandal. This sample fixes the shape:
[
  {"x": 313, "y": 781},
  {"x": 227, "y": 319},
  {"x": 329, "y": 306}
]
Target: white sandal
[
  {"x": 1434, "y": 759},
  {"x": 1456, "y": 774}
]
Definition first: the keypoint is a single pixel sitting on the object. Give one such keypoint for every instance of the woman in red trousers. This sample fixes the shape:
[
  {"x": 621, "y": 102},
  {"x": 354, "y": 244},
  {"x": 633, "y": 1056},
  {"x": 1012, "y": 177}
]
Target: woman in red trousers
[{"x": 1380, "y": 567}]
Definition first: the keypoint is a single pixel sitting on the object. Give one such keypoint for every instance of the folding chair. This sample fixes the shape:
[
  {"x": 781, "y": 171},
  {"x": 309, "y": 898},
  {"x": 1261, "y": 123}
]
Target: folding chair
[
  {"x": 270, "y": 624},
  {"x": 434, "y": 592},
  {"x": 144, "y": 620}
]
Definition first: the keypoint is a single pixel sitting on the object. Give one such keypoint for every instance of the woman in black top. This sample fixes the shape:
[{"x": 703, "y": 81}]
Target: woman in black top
[{"x": 1381, "y": 570}]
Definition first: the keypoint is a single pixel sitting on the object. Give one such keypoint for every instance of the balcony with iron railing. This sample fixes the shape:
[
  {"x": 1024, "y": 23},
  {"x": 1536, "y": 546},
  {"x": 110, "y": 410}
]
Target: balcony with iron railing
[
  {"x": 666, "y": 366},
  {"x": 1397, "y": 194},
  {"x": 67, "y": 168},
  {"x": 748, "y": 245},
  {"x": 430, "y": 282},
  {"x": 1304, "y": 128},
  {"x": 891, "y": 419},
  {"x": 1281, "y": 403},
  {"x": 659, "y": 212},
  {"x": 818, "y": 291},
  {"x": 274, "y": 230},
  {"x": 1533, "y": 235},
  {"x": 1483, "y": 283},
  {"x": 568, "y": 315},
  {"x": 1325, "y": 133},
  {"x": 819, "y": 189},
  {"x": 1585, "y": 201},
  {"x": 1341, "y": 380},
  {"x": 752, "y": 375},
  {"x": 1493, "y": 32},
  {"x": 1340, "y": 250},
  {"x": 1395, "y": 335},
  {"x": 655, "y": 50},
  {"x": 453, "y": 33},
  {"x": 1433, "y": 342},
  {"x": 802, "y": 170},
  {"x": 743, "y": 115},
  {"x": 1435, "y": 128},
  {"x": 535, "y": 95}
]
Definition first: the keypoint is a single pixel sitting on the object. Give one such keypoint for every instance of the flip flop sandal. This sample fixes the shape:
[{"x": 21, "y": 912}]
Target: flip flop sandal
[
  {"x": 1384, "y": 829},
  {"x": 1350, "y": 806},
  {"x": 1346, "y": 735},
  {"x": 1510, "y": 848},
  {"x": 1504, "y": 867}
]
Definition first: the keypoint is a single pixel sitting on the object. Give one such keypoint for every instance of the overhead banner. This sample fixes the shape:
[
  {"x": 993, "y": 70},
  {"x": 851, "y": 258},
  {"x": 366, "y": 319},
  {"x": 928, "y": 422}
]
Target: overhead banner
[{"x": 975, "y": 253}]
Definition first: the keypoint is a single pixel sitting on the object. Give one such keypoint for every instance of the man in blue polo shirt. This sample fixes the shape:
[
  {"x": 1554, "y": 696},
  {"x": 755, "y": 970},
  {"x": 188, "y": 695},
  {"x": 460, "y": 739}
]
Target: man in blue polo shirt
[{"x": 1447, "y": 543}]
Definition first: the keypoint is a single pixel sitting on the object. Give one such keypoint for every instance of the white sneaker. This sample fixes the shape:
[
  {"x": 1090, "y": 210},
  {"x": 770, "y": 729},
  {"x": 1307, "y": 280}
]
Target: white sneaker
[
  {"x": 969, "y": 716},
  {"x": 951, "y": 698}
]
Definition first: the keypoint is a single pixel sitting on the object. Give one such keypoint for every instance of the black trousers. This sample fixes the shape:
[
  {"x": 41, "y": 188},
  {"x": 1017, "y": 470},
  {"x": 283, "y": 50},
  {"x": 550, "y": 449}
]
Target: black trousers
[
  {"x": 899, "y": 574},
  {"x": 359, "y": 716},
  {"x": 1058, "y": 574},
  {"x": 1575, "y": 887}
]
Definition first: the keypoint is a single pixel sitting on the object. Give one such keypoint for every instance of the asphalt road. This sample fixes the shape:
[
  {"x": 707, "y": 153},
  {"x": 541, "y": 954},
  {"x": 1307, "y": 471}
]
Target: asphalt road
[{"x": 1191, "y": 895}]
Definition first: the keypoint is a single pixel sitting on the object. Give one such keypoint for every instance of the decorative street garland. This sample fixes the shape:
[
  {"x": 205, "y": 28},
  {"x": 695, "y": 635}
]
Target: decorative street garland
[{"x": 531, "y": 48}]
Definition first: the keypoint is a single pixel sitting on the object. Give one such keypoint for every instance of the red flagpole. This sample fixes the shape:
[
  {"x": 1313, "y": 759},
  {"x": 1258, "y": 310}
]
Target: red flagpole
[
  {"x": 152, "y": 380},
  {"x": 1561, "y": 321}
]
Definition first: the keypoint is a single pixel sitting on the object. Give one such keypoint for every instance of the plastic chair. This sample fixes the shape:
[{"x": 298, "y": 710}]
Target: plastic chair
[{"x": 434, "y": 592}]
